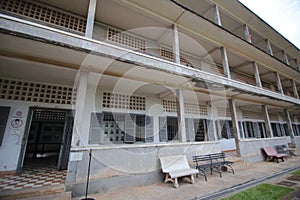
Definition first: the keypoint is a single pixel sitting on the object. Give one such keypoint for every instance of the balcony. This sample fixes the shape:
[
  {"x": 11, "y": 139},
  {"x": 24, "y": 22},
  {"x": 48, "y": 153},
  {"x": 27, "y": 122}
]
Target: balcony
[{"x": 196, "y": 52}]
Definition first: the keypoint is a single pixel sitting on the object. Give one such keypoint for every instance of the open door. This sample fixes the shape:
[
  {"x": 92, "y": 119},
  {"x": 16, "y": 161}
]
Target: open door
[
  {"x": 24, "y": 140},
  {"x": 66, "y": 141}
]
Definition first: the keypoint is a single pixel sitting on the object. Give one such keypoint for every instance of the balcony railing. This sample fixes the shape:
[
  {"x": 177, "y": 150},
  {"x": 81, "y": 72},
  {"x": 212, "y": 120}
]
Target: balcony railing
[{"x": 42, "y": 13}]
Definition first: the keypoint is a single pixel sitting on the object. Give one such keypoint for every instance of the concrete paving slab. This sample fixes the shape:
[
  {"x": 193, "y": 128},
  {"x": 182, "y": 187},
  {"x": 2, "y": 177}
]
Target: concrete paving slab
[{"x": 244, "y": 173}]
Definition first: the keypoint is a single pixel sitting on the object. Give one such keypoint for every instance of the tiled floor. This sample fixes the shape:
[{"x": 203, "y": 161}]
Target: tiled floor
[{"x": 32, "y": 177}]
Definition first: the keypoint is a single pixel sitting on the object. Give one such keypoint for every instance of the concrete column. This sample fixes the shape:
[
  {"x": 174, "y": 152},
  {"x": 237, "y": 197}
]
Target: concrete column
[
  {"x": 256, "y": 74},
  {"x": 295, "y": 91},
  {"x": 269, "y": 47},
  {"x": 289, "y": 125},
  {"x": 180, "y": 115},
  {"x": 217, "y": 16},
  {"x": 265, "y": 113},
  {"x": 225, "y": 62},
  {"x": 235, "y": 125},
  {"x": 279, "y": 86},
  {"x": 79, "y": 109},
  {"x": 298, "y": 65},
  {"x": 247, "y": 34},
  {"x": 176, "y": 47},
  {"x": 90, "y": 19},
  {"x": 285, "y": 58}
]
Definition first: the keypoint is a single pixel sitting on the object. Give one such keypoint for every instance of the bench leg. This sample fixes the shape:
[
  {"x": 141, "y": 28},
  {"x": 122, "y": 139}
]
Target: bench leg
[
  {"x": 168, "y": 178},
  {"x": 192, "y": 179},
  {"x": 176, "y": 185}
]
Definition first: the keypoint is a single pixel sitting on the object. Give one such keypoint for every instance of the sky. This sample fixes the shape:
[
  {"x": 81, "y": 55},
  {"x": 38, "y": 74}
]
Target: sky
[{"x": 282, "y": 15}]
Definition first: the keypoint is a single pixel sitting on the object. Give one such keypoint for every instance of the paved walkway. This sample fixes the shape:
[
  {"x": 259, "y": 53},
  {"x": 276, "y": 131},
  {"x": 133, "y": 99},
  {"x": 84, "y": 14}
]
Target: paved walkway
[{"x": 245, "y": 173}]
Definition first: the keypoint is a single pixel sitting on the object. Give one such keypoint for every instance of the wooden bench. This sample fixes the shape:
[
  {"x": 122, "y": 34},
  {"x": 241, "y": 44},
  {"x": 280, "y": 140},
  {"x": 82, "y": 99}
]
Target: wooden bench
[
  {"x": 175, "y": 167},
  {"x": 273, "y": 155},
  {"x": 212, "y": 162}
]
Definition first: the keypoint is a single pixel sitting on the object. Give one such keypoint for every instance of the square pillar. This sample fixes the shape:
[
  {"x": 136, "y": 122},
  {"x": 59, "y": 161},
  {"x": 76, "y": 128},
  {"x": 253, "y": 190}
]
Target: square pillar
[
  {"x": 235, "y": 125},
  {"x": 265, "y": 113},
  {"x": 285, "y": 58},
  {"x": 269, "y": 47},
  {"x": 90, "y": 19},
  {"x": 176, "y": 47},
  {"x": 247, "y": 34},
  {"x": 289, "y": 125},
  {"x": 256, "y": 75},
  {"x": 82, "y": 85},
  {"x": 225, "y": 62},
  {"x": 217, "y": 16},
  {"x": 279, "y": 86},
  {"x": 180, "y": 115},
  {"x": 295, "y": 91}
]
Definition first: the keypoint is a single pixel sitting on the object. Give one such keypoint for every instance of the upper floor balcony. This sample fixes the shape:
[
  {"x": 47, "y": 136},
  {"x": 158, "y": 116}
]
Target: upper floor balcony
[{"x": 137, "y": 28}]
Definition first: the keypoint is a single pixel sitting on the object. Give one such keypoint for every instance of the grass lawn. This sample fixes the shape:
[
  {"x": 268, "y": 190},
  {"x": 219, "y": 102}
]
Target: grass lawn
[
  {"x": 296, "y": 172},
  {"x": 261, "y": 192}
]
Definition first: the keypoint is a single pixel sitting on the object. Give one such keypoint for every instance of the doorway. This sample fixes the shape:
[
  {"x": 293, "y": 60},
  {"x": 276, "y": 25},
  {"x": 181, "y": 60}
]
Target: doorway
[{"x": 47, "y": 140}]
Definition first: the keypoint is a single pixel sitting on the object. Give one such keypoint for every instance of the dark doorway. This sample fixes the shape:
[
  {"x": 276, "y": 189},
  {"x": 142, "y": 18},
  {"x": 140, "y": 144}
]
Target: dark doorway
[{"x": 49, "y": 138}]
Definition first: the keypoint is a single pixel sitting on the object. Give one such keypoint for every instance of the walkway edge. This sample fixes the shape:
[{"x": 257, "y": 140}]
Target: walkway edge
[{"x": 244, "y": 185}]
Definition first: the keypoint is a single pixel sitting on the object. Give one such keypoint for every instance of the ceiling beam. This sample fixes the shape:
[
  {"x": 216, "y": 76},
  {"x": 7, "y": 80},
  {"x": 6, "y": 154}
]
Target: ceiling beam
[
  {"x": 266, "y": 73},
  {"x": 210, "y": 52},
  {"x": 241, "y": 65}
]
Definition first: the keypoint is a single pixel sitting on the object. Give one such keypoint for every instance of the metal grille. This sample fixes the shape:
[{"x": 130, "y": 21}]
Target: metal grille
[
  {"x": 55, "y": 115},
  {"x": 44, "y": 13},
  {"x": 189, "y": 108},
  {"x": 191, "y": 61},
  {"x": 126, "y": 39},
  {"x": 166, "y": 53},
  {"x": 273, "y": 117},
  {"x": 243, "y": 78},
  {"x": 11, "y": 89},
  {"x": 123, "y": 101},
  {"x": 252, "y": 115},
  {"x": 223, "y": 112}
]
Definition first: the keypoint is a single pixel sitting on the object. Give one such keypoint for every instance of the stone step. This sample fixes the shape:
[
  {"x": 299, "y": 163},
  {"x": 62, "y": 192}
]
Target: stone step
[
  {"x": 37, "y": 193},
  {"x": 59, "y": 196}
]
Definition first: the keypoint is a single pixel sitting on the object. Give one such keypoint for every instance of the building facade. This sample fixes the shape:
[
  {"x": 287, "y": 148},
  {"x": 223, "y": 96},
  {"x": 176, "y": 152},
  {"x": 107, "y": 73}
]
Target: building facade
[{"x": 126, "y": 82}]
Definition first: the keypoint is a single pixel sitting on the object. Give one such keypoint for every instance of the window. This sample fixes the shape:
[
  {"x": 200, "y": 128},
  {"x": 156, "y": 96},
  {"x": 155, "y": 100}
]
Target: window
[
  {"x": 225, "y": 127},
  {"x": 279, "y": 130},
  {"x": 255, "y": 130},
  {"x": 140, "y": 128},
  {"x": 172, "y": 128},
  {"x": 275, "y": 129},
  {"x": 110, "y": 127},
  {"x": 200, "y": 129},
  {"x": 262, "y": 129},
  {"x": 4, "y": 112},
  {"x": 296, "y": 129},
  {"x": 248, "y": 129}
]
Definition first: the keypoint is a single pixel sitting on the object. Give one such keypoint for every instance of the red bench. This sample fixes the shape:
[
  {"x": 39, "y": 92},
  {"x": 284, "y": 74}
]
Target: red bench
[{"x": 272, "y": 154}]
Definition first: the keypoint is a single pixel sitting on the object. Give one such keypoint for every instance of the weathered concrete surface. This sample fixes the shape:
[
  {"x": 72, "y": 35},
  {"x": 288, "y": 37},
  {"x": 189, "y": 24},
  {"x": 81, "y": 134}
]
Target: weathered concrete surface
[
  {"x": 123, "y": 166},
  {"x": 31, "y": 193},
  {"x": 245, "y": 172}
]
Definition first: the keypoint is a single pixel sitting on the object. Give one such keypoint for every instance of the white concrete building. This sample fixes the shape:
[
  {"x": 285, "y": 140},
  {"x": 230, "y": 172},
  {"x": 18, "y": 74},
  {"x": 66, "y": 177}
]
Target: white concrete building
[{"x": 133, "y": 80}]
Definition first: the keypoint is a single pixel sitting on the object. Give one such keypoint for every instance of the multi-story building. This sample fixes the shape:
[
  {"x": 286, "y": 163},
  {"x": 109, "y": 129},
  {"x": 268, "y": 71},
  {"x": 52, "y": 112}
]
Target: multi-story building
[{"x": 134, "y": 80}]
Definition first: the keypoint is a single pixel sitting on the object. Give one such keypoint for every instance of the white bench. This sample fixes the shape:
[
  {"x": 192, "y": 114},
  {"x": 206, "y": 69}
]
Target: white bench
[{"x": 177, "y": 166}]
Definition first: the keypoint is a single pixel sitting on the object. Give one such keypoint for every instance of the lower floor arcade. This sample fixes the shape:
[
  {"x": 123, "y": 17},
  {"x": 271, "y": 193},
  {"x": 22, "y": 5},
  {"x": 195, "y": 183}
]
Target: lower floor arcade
[{"x": 123, "y": 124}]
